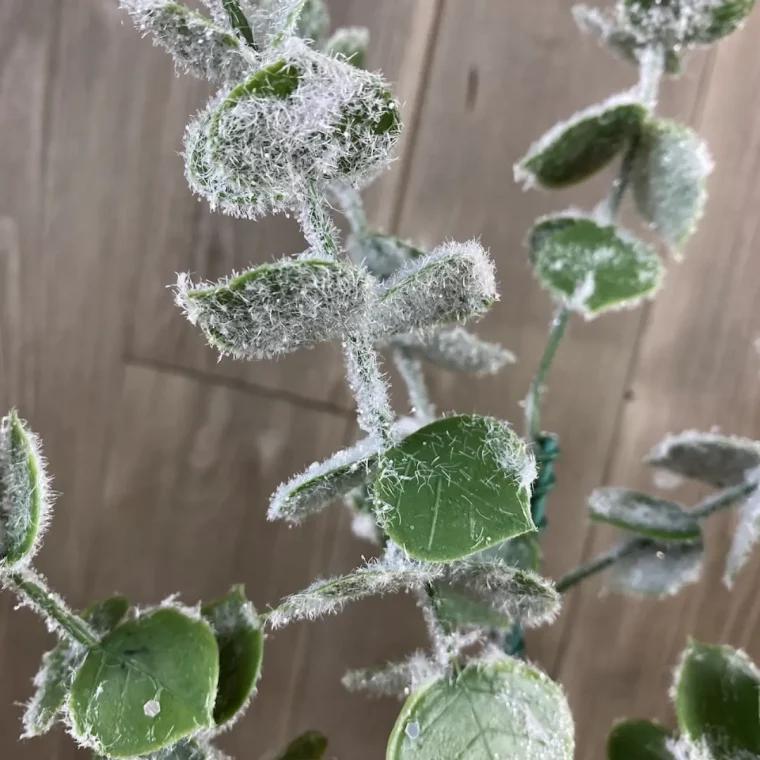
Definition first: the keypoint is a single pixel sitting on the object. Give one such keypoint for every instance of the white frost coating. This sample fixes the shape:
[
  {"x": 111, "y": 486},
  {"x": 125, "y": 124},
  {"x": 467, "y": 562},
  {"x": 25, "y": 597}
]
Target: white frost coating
[
  {"x": 667, "y": 481},
  {"x": 684, "y": 749},
  {"x": 526, "y": 177},
  {"x": 457, "y": 350},
  {"x": 389, "y": 575},
  {"x": 25, "y": 495},
  {"x": 746, "y": 534},
  {"x": 394, "y": 679},
  {"x": 278, "y": 308},
  {"x": 364, "y": 526},
  {"x": 252, "y": 151},
  {"x": 719, "y": 460},
  {"x": 206, "y": 49},
  {"x": 453, "y": 283},
  {"x": 349, "y": 42},
  {"x": 512, "y": 453},
  {"x": 519, "y": 594},
  {"x": 658, "y": 570}
]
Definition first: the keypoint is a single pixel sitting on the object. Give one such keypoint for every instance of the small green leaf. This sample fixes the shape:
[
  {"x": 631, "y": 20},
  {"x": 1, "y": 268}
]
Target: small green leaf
[
  {"x": 53, "y": 681},
  {"x": 594, "y": 268},
  {"x": 499, "y": 709},
  {"x": 456, "y": 350},
  {"x": 719, "y": 460},
  {"x": 546, "y": 226},
  {"x": 24, "y": 493},
  {"x": 328, "y": 596},
  {"x": 277, "y": 308},
  {"x": 150, "y": 683},
  {"x": 314, "y": 21},
  {"x": 574, "y": 150},
  {"x": 454, "y": 283},
  {"x": 657, "y": 569},
  {"x": 669, "y": 179},
  {"x": 640, "y": 513},
  {"x": 310, "y": 745},
  {"x": 639, "y": 740},
  {"x": 241, "y": 650},
  {"x": 351, "y": 44},
  {"x": 455, "y": 487},
  {"x": 717, "y": 702},
  {"x": 238, "y": 21}
]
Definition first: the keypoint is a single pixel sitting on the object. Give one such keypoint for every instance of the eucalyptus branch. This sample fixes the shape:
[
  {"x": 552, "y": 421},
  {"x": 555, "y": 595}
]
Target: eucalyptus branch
[{"x": 411, "y": 373}]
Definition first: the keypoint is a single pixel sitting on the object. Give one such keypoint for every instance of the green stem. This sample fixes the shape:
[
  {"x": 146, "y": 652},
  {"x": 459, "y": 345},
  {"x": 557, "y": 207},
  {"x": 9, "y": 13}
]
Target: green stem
[
  {"x": 318, "y": 228},
  {"x": 31, "y": 588},
  {"x": 621, "y": 183},
  {"x": 716, "y": 503},
  {"x": 533, "y": 407}
]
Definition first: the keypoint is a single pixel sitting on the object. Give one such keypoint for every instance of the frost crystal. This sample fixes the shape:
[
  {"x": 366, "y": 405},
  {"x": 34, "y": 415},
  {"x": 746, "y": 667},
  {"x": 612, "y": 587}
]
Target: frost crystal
[
  {"x": 25, "y": 499},
  {"x": 198, "y": 46},
  {"x": 454, "y": 283},
  {"x": 301, "y": 122},
  {"x": 277, "y": 308}
]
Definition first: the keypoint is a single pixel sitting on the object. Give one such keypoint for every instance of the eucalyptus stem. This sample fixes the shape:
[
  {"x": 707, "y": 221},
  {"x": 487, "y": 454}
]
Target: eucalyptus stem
[
  {"x": 411, "y": 373},
  {"x": 716, "y": 503},
  {"x": 318, "y": 227},
  {"x": 32, "y": 590}
]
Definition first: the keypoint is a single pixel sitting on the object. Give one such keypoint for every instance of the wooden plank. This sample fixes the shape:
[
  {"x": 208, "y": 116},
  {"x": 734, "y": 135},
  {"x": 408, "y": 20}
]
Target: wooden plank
[
  {"x": 502, "y": 74},
  {"x": 185, "y": 235},
  {"x": 697, "y": 369}
]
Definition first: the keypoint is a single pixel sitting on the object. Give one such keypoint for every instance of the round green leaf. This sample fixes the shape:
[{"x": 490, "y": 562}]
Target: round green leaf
[
  {"x": 241, "y": 651},
  {"x": 643, "y": 514},
  {"x": 150, "y": 683},
  {"x": 594, "y": 268},
  {"x": 718, "y": 700},
  {"x": 455, "y": 487},
  {"x": 639, "y": 740},
  {"x": 310, "y": 745},
  {"x": 104, "y": 616},
  {"x": 503, "y": 709},
  {"x": 574, "y": 150},
  {"x": 669, "y": 179},
  {"x": 545, "y": 227}
]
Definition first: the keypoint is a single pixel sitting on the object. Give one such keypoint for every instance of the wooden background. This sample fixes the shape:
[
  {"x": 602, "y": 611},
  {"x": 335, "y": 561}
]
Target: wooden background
[{"x": 165, "y": 459}]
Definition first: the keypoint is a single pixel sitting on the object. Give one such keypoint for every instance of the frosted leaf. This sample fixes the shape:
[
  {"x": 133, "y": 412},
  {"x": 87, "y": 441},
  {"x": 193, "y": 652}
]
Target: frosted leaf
[
  {"x": 455, "y": 487},
  {"x": 617, "y": 37},
  {"x": 454, "y": 283},
  {"x": 746, "y": 535},
  {"x": 545, "y": 226},
  {"x": 502, "y": 708},
  {"x": 304, "y": 120},
  {"x": 238, "y": 634},
  {"x": 669, "y": 179},
  {"x": 518, "y": 594},
  {"x": 310, "y": 745},
  {"x": 198, "y": 45},
  {"x": 456, "y": 609},
  {"x": 277, "y": 308},
  {"x": 383, "y": 255},
  {"x": 657, "y": 569},
  {"x": 395, "y": 679},
  {"x": 25, "y": 498},
  {"x": 684, "y": 22},
  {"x": 575, "y": 149},
  {"x": 457, "y": 350},
  {"x": 237, "y": 18},
  {"x": 639, "y": 740},
  {"x": 523, "y": 552},
  {"x": 643, "y": 514},
  {"x": 593, "y": 268},
  {"x": 716, "y": 697},
  {"x": 719, "y": 460},
  {"x": 350, "y": 43},
  {"x": 326, "y": 597},
  {"x": 325, "y": 482}
]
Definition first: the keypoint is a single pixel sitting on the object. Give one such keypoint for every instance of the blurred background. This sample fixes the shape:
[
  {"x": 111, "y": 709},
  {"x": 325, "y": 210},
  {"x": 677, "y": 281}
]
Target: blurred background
[{"x": 165, "y": 458}]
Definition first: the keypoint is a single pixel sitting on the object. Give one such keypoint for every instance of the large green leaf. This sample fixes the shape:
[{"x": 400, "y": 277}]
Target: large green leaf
[
  {"x": 717, "y": 694},
  {"x": 455, "y": 487},
  {"x": 669, "y": 179},
  {"x": 277, "y": 308},
  {"x": 53, "y": 681},
  {"x": 719, "y": 460},
  {"x": 576, "y": 149},
  {"x": 24, "y": 493},
  {"x": 310, "y": 745},
  {"x": 643, "y": 514},
  {"x": 150, "y": 683},
  {"x": 241, "y": 651},
  {"x": 593, "y": 268},
  {"x": 501, "y": 709},
  {"x": 639, "y": 740}
]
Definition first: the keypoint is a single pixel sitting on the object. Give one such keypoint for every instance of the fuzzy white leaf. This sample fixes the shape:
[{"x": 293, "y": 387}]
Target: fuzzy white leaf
[
  {"x": 746, "y": 535},
  {"x": 396, "y": 679},
  {"x": 454, "y": 283},
  {"x": 350, "y": 43}
]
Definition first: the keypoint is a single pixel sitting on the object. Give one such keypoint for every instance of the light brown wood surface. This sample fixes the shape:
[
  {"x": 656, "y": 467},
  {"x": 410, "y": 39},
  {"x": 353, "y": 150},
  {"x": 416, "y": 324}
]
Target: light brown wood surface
[{"x": 165, "y": 458}]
